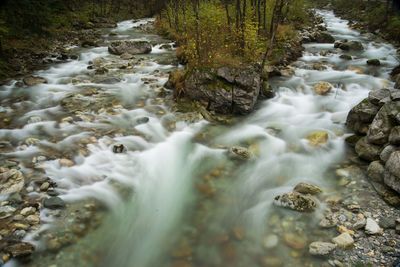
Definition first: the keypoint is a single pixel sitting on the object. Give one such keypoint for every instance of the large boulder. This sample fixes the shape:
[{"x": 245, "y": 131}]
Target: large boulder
[
  {"x": 129, "y": 46},
  {"x": 224, "y": 90},
  {"x": 322, "y": 37},
  {"x": 377, "y": 97},
  {"x": 361, "y": 116},
  {"x": 392, "y": 171},
  {"x": 349, "y": 45},
  {"x": 367, "y": 151},
  {"x": 381, "y": 126}
]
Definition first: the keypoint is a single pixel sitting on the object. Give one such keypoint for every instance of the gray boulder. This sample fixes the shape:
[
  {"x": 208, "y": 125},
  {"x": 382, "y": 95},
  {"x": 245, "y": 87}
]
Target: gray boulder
[
  {"x": 394, "y": 137},
  {"x": 387, "y": 151},
  {"x": 376, "y": 96},
  {"x": 349, "y": 45},
  {"x": 129, "y": 46},
  {"x": 367, "y": 151},
  {"x": 392, "y": 171},
  {"x": 323, "y": 37},
  {"x": 361, "y": 116},
  {"x": 224, "y": 90},
  {"x": 382, "y": 124},
  {"x": 376, "y": 171}
]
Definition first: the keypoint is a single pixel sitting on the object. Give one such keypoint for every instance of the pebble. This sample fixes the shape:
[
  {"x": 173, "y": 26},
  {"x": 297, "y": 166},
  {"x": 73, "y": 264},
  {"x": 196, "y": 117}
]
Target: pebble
[
  {"x": 33, "y": 219},
  {"x": 28, "y": 211},
  {"x": 343, "y": 240},
  {"x": 372, "y": 227},
  {"x": 45, "y": 186},
  {"x": 321, "y": 248},
  {"x": 271, "y": 241}
]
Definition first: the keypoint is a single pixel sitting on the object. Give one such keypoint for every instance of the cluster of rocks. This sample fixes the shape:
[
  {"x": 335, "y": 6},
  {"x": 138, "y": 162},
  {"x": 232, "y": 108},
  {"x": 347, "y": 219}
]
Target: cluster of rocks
[
  {"x": 376, "y": 122},
  {"x": 20, "y": 211}
]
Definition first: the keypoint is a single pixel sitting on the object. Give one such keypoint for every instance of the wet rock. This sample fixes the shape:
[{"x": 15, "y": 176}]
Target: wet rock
[
  {"x": 367, "y": 151},
  {"x": 394, "y": 137},
  {"x": 129, "y": 46},
  {"x": 53, "y": 203},
  {"x": 295, "y": 241},
  {"x": 349, "y": 45},
  {"x": 321, "y": 248},
  {"x": 346, "y": 57},
  {"x": 306, "y": 188},
  {"x": 381, "y": 126},
  {"x": 240, "y": 153},
  {"x": 166, "y": 46},
  {"x": 271, "y": 241},
  {"x": 142, "y": 120},
  {"x": 344, "y": 241},
  {"x": 11, "y": 181},
  {"x": 296, "y": 201},
  {"x": 361, "y": 116},
  {"x": 101, "y": 71},
  {"x": 323, "y": 37},
  {"x": 317, "y": 138},
  {"x": 224, "y": 90},
  {"x": 21, "y": 249},
  {"x": 376, "y": 96},
  {"x": 376, "y": 171},
  {"x": 66, "y": 162},
  {"x": 34, "y": 80},
  {"x": 392, "y": 171},
  {"x": 266, "y": 90},
  {"x": 45, "y": 186},
  {"x": 374, "y": 62},
  {"x": 111, "y": 80},
  {"x": 372, "y": 227},
  {"x": 323, "y": 88},
  {"x": 119, "y": 148}
]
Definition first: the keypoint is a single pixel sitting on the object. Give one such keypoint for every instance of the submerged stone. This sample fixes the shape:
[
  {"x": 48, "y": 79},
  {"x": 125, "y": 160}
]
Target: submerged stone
[{"x": 306, "y": 188}]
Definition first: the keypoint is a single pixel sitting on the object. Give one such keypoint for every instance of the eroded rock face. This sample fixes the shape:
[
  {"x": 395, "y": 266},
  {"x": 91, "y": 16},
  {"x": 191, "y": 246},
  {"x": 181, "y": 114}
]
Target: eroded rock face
[
  {"x": 224, "y": 90},
  {"x": 129, "y": 46}
]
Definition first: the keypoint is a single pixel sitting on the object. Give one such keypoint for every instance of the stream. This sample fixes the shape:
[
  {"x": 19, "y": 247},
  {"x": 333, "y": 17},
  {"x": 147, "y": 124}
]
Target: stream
[{"x": 175, "y": 197}]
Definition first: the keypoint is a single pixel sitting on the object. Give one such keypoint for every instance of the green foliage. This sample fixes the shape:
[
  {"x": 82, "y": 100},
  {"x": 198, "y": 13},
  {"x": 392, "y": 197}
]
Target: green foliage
[{"x": 217, "y": 38}]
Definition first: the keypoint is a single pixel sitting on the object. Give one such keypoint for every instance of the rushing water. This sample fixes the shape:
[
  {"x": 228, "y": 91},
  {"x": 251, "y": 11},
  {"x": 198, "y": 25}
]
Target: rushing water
[{"x": 184, "y": 201}]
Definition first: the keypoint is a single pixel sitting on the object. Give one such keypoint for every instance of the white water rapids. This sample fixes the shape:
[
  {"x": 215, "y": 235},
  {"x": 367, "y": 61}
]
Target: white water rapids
[{"x": 164, "y": 167}]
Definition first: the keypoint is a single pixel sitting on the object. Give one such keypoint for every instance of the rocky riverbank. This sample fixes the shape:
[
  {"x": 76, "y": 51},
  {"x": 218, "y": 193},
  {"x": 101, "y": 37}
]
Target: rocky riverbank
[{"x": 54, "y": 49}]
